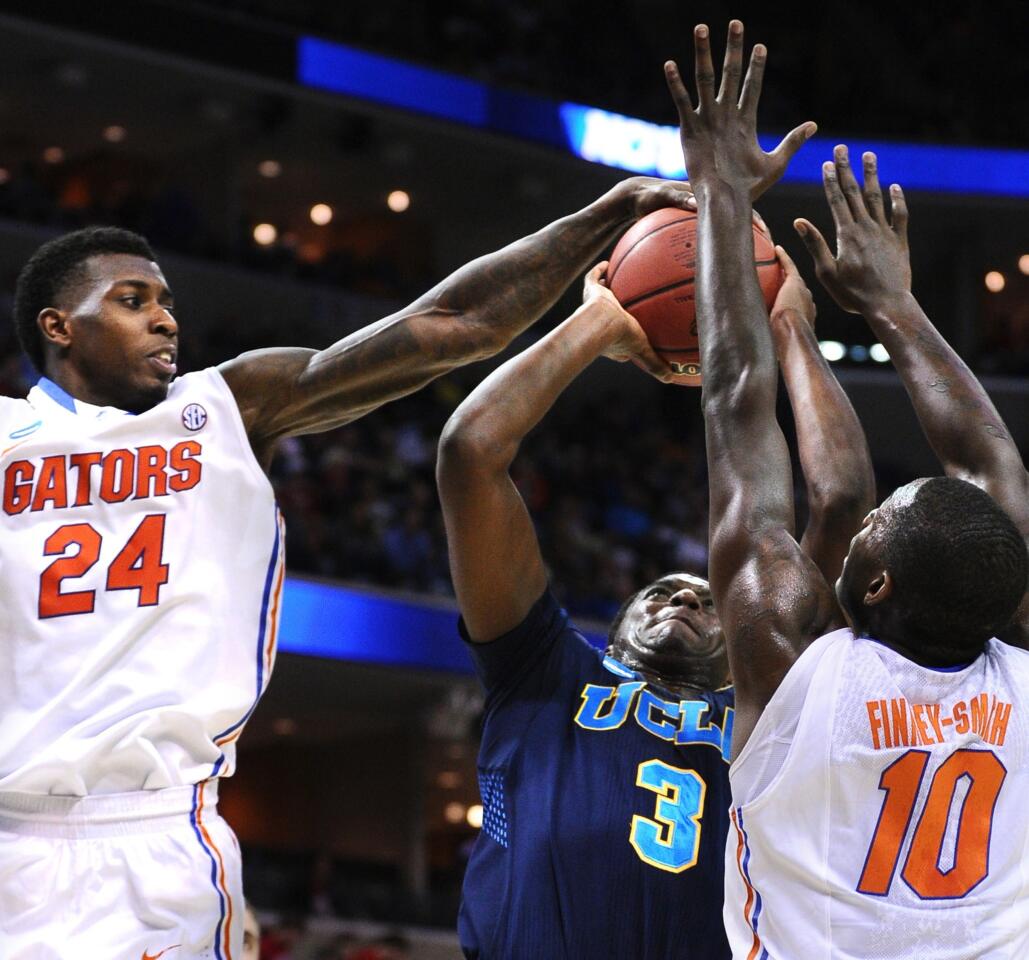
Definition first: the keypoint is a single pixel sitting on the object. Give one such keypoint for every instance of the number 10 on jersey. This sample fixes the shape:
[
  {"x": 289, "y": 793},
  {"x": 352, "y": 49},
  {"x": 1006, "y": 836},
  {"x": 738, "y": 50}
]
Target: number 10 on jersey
[{"x": 979, "y": 774}]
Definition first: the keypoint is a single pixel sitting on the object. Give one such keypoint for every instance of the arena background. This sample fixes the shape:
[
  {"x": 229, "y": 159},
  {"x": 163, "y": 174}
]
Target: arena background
[{"x": 430, "y": 134}]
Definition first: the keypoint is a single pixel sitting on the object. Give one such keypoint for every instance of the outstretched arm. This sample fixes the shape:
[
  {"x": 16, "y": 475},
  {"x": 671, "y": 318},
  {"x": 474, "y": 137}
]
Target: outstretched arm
[
  {"x": 770, "y": 597},
  {"x": 833, "y": 450},
  {"x": 495, "y": 560},
  {"x": 472, "y": 314},
  {"x": 871, "y": 275}
]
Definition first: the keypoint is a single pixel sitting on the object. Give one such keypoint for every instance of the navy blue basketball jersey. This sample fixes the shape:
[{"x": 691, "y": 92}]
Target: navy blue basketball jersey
[{"x": 605, "y": 807}]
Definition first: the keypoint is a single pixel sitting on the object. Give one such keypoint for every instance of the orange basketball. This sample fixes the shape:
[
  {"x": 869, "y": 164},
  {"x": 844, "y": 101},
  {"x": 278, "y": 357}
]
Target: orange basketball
[{"x": 651, "y": 273}]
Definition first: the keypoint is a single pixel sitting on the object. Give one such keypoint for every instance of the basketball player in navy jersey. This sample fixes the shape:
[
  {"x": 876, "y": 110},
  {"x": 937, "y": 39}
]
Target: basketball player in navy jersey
[{"x": 604, "y": 777}]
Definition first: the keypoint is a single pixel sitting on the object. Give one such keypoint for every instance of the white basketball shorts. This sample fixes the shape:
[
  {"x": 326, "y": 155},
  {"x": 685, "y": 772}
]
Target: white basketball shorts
[{"x": 130, "y": 876}]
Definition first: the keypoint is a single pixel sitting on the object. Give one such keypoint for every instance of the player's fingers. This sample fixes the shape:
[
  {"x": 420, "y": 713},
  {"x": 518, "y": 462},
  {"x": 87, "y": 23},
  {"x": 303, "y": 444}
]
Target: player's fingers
[
  {"x": 873, "y": 191},
  {"x": 837, "y": 201},
  {"x": 786, "y": 262},
  {"x": 816, "y": 245},
  {"x": 732, "y": 68},
  {"x": 848, "y": 182},
  {"x": 752, "y": 83},
  {"x": 899, "y": 212},
  {"x": 646, "y": 359},
  {"x": 680, "y": 96},
  {"x": 594, "y": 278},
  {"x": 792, "y": 142},
  {"x": 705, "y": 69}
]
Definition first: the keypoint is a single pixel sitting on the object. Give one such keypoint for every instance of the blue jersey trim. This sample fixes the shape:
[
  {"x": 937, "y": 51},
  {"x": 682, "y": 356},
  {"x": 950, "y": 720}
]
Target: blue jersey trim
[
  {"x": 746, "y": 873},
  {"x": 268, "y": 580},
  {"x": 57, "y": 394},
  {"x": 214, "y": 872},
  {"x": 955, "y": 669}
]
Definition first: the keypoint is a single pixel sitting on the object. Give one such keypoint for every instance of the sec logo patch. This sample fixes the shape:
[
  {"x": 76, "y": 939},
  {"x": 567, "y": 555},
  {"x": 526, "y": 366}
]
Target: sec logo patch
[{"x": 194, "y": 416}]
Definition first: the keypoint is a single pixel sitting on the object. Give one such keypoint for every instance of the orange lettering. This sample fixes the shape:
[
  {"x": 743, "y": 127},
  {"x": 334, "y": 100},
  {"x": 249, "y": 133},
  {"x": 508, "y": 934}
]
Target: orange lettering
[
  {"x": 961, "y": 717},
  {"x": 83, "y": 463},
  {"x": 875, "y": 720},
  {"x": 999, "y": 727},
  {"x": 150, "y": 477},
  {"x": 918, "y": 716},
  {"x": 18, "y": 486},
  {"x": 52, "y": 484},
  {"x": 899, "y": 718},
  {"x": 183, "y": 459},
  {"x": 934, "y": 719},
  {"x": 116, "y": 476}
]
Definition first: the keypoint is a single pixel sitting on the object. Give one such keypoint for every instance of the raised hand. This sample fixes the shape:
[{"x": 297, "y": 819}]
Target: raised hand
[
  {"x": 719, "y": 137},
  {"x": 872, "y": 266}
]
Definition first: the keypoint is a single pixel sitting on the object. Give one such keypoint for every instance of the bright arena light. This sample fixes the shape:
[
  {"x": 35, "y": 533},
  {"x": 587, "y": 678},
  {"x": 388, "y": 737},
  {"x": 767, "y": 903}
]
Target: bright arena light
[
  {"x": 1023, "y": 263},
  {"x": 321, "y": 214},
  {"x": 994, "y": 281},
  {"x": 265, "y": 234},
  {"x": 53, "y": 155},
  {"x": 878, "y": 353},
  {"x": 475, "y": 815},
  {"x": 269, "y": 168},
  {"x": 114, "y": 133},
  {"x": 398, "y": 201},
  {"x": 454, "y": 812},
  {"x": 832, "y": 350}
]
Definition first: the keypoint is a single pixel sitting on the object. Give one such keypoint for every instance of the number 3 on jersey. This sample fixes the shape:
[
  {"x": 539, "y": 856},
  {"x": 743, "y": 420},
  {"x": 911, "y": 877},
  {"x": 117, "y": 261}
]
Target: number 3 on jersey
[
  {"x": 671, "y": 840},
  {"x": 137, "y": 566}
]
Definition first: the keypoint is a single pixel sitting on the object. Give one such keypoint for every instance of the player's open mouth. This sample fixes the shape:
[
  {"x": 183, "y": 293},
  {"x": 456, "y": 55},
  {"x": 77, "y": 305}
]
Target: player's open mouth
[{"x": 163, "y": 361}]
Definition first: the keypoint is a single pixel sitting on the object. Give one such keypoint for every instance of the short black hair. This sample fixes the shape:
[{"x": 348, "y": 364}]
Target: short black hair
[
  {"x": 45, "y": 277},
  {"x": 959, "y": 567}
]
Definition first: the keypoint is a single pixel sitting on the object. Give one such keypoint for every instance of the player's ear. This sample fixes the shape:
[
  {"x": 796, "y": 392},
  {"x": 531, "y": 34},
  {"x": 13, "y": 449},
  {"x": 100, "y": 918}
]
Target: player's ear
[
  {"x": 880, "y": 587},
  {"x": 55, "y": 327}
]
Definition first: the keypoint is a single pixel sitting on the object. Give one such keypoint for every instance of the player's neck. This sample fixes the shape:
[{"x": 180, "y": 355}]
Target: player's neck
[{"x": 684, "y": 684}]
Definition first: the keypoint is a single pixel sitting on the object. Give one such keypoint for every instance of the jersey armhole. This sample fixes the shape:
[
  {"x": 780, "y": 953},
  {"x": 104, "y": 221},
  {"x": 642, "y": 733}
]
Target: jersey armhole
[
  {"x": 237, "y": 421},
  {"x": 766, "y": 758}
]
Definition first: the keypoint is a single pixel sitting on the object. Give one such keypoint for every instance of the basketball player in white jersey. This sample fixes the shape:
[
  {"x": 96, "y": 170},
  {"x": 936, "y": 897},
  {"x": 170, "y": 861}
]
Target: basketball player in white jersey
[
  {"x": 879, "y": 768},
  {"x": 141, "y": 567}
]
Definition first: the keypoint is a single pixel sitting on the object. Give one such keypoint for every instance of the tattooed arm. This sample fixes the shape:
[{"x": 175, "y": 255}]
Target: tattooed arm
[
  {"x": 871, "y": 275},
  {"x": 771, "y": 599},
  {"x": 471, "y": 315},
  {"x": 833, "y": 450}
]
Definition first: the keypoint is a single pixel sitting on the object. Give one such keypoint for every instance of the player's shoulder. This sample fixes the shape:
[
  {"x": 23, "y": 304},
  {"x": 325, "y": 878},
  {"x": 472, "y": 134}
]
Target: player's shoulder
[{"x": 12, "y": 411}]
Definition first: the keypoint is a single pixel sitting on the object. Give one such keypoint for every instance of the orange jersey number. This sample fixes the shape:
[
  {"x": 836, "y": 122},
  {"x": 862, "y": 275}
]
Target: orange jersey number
[
  {"x": 138, "y": 566},
  {"x": 982, "y": 774}
]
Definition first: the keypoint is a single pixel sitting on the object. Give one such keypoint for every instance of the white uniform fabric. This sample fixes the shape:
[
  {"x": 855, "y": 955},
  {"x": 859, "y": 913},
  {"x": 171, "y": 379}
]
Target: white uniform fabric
[
  {"x": 879, "y": 810},
  {"x": 141, "y": 565},
  {"x": 120, "y": 876}
]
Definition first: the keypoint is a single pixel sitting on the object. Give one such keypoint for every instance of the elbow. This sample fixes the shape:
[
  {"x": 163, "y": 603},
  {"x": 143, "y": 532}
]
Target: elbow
[
  {"x": 469, "y": 446},
  {"x": 841, "y": 506}
]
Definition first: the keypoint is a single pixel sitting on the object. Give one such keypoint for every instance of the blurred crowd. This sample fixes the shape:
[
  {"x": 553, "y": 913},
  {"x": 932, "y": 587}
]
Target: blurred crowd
[{"x": 110, "y": 188}]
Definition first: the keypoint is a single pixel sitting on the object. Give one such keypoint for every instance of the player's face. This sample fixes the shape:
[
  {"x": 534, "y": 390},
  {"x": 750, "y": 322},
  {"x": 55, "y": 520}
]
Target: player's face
[
  {"x": 123, "y": 337},
  {"x": 674, "y": 618}
]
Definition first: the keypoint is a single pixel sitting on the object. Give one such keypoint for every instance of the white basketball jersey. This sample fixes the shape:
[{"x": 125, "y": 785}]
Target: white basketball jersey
[
  {"x": 880, "y": 810},
  {"x": 141, "y": 568}
]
